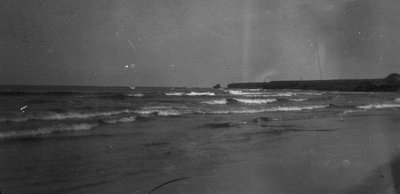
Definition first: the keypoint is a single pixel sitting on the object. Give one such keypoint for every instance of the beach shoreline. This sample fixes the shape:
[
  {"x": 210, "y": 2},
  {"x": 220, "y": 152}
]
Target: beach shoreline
[{"x": 354, "y": 153}]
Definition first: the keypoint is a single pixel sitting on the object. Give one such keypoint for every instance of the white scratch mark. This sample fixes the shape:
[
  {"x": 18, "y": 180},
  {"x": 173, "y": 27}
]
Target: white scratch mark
[
  {"x": 132, "y": 45},
  {"x": 130, "y": 66},
  {"x": 23, "y": 108}
]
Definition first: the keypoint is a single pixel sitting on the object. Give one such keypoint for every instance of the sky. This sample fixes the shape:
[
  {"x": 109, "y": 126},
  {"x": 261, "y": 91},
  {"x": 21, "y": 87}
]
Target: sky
[{"x": 196, "y": 43}]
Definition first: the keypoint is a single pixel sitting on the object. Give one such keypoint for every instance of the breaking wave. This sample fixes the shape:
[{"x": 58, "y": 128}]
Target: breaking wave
[
  {"x": 260, "y": 94},
  {"x": 240, "y": 100},
  {"x": 309, "y": 93},
  {"x": 200, "y": 94},
  {"x": 159, "y": 111},
  {"x": 255, "y": 101},
  {"x": 273, "y": 109},
  {"x": 379, "y": 106},
  {"x": 298, "y": 99},
  {"x": 239, "y": 92},
  {"x": 174, "y": 94},
  {"x": 46, "y": 130},
  {"x": 136, "y": 95},
  {"x": 213, "y": 102},
  {"x": 63, "y": 116},
  {"x": 120, "y": 120},
  {"x": 190, "y": 94}
]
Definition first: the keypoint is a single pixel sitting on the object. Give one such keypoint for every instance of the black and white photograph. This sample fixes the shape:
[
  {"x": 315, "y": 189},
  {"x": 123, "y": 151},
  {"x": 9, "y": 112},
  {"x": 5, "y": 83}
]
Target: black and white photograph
[{"x": 200, "y": 96}]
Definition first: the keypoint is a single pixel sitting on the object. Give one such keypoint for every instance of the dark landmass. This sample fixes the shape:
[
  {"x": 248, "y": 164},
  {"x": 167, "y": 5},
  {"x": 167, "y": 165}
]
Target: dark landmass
[
  {"x": 218, "y": 86},
  {"x": 390, "y": 83}
]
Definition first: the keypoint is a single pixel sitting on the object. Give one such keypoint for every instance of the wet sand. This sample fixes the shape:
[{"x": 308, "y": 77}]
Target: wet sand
[{"x": 356, "y": 153}]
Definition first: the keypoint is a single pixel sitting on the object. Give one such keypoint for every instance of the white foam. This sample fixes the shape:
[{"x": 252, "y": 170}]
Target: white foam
[
  {"x": 298, "y": 100},
  {"x": 158, "y": 110},
  {"x": 379, "y": 106},
  {"x": 309, "y": 93},
  {"x": 136, "y": 95},
  {"x": 120, "y": 120},
  {"x": 273, "y": 109},
  {"x": 46, "y": 130},
  {"x": 200, "y": 94},
  {"x": 174, "y": 94},
  {"x": 255, "y": 101},
  {"x": 286, "y": 94},
  {"x": 190, "y": 94},
  {"x": 239, "y": 92},
  {"x": 63, "y": 116},
  {"x": 213, "y": 102}
]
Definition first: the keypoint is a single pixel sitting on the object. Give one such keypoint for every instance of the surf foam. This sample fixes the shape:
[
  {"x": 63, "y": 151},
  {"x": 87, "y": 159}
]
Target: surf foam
[
  {"x": 255, "y": 101},
  {"x": 190, "y": 94},
  {"x": 298, "y": 100},
  {"x": 273, "y": 109},
  {"x": 63, "y": 116},
  {"x": 120, "y": 120},
  {"x": 159, "y": 110},
  {"x": 379, "y": 106},
  {"x": 214, "y": 102}
]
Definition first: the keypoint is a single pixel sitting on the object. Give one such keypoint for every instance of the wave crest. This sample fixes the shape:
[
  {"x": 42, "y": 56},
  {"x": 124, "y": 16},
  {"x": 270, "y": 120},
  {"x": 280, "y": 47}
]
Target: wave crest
[
  {"x": 379, "y": 106},
  {"x": 120, "y": 120},
  {"x": 273, "y": 109},
  {"x": 159, "y": 111},
  {"x": 136, "y": 95},
  {"x": 63, "y": 116},
  {"x": 190, "y": 94},
  {"x": 214, "y": 102},
  {"x": 255, "y": 101}
]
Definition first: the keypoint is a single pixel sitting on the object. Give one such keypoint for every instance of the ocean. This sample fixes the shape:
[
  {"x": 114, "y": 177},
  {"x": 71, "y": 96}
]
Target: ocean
[{"x": 175, "y": 140}]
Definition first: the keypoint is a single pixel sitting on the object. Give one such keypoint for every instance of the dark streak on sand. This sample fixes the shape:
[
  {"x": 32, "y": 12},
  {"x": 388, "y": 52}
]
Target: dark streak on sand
[
  {"x": 395, "y": 170},
  {"x": 171, "y": 181},
  {"x": 155, "y": 144}
]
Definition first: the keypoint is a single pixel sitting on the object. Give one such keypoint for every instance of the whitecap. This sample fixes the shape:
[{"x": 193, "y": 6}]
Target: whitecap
[
  {"x": 255, "y": 101},
  {"x": 284, "y": 94},
  {"x": 200, "y": 94},
  {"x": 309, "y": 93},
  {"x": 136, "y": 95},
  {"x": 379, "y": 106},
  {"x": 120, "y": 120},
  {"x": 174, "y": 94},
  {"x": 63, "y": 116},
  {"x": 273, "y": 109},
  {"x": 298, "y": 99},
  {"x": 158, "y": 110},
  {"x": 213, "y": 102},
  {"x": 239, "y": 92}
]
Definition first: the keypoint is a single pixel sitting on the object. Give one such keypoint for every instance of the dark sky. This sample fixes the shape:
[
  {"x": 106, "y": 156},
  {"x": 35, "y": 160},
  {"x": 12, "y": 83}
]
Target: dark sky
[{"x": 195, "y": 42}]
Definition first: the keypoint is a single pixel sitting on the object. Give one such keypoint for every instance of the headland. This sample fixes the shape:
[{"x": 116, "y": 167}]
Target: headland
[{"x": 390, "y": 83}]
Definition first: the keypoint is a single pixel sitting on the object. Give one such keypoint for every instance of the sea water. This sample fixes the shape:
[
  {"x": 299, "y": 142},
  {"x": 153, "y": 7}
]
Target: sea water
[{"x": 63, "y": 138}]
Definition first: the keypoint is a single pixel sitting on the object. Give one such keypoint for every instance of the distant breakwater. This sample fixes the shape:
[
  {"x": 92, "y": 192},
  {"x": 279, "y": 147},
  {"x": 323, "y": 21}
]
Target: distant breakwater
[{"x": 390, "y": 83}]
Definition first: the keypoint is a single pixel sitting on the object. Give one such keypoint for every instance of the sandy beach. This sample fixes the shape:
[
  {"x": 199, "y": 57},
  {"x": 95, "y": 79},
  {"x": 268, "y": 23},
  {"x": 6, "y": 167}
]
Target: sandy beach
[{"x": 352, "y": 153}]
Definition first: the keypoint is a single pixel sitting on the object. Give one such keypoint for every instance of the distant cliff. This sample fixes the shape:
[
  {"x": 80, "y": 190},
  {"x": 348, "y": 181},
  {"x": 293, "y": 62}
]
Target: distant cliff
[{"x": 390, "y": 83}]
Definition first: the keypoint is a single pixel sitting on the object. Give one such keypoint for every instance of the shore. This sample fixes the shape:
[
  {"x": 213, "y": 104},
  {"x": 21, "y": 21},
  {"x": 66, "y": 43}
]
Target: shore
[{"x": 352, "y": 153}]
